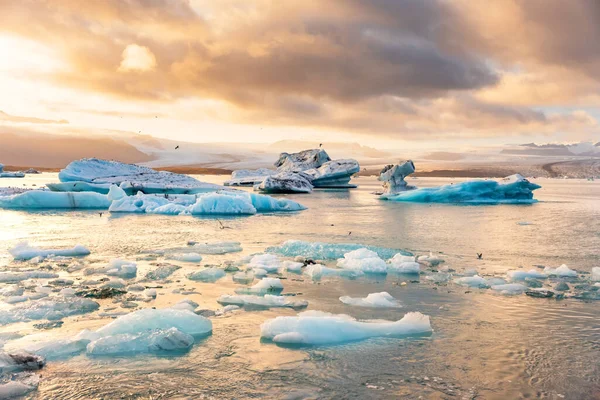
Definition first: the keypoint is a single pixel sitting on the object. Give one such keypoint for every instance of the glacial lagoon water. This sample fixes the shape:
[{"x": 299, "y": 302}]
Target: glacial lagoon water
[{"x": 484, "y": 345}]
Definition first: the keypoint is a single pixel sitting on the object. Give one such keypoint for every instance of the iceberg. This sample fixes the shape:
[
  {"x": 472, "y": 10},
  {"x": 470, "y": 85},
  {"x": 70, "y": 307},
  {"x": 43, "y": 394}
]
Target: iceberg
[
  {"x": 4, "y": 174},
  {"x": 294, "y": 267},
  {"x": 320, "y": 328},
  {"x": 13, "y": 277},
  {"x": 117, "y": 267},
  {"x": 268, "y": 262},
  {"x": 517, "y": 275},
  {"x": 328, "y": 251},
  {"x": 216, "y": 247},
  {"x": 19, "y": 387},
  {"x": 171, "y": 339},
  {"x": 401, "y": 264},
  {"x": 375, "y": 300},
  {"x": 286, "y": 182},
  {"x": 243, "y": 278},
  {"x": 510, "y": 190},
  {"x": 44, "y": 199},
  {"x": 473, "y": 281},
  {"x": 50, "y": 309},
  {"x": 510, "y": 288},
  {"x": 23, "y": 251},
  {"x": 363, "y": 260},
  {"x": 186, "y": 257},
  {"x": 266, "y": 301},
  {"x": 393, "y": 176},
  {"x": 248, "y": 177},
  {"x": 334, "y": 174},
  {"x": 207, "y": 275},
  {"x": 318, "y": 271},
  {"x": 563, "y": 271},
  {"x": 92, "y": 174}
]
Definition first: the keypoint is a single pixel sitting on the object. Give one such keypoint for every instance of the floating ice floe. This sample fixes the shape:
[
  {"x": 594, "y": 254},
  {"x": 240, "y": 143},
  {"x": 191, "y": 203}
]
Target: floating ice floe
[
  {"x": 216, "y": 247},
  {"x": 117, "y": 267},
  {"x": 163, "y": 271},
  {"x": 292, "y": 266},
  {"x": 12, "y": 277},
  {"x": 363, "y": 260},
  {"x": 44, "y": 199},
  {"x": 299, "y": 172},
  {"x": 286, "y": 182},
  {"x": 512, "y": 189},
  {"x": 171, "y": 339},
  {"x": 563, "y": 271},
  {"x": 91, "y": 174},
  {"x": 473, "y": 281},
  {"x": 4, "y": 174},
  {"x": 319, "y": 328},
  {"x": 186, "y": 257},
  {"x": 51, "y": 309},
  {"x": 375, "y": 300},
  {"x": 23, "y": 251},
  {"x": 266, "y": 301},
  {"x": 328, "y": 251},
  {"x": 517, "y": 275},
  {"x": 243, "y": 278},
  {"x": 510, "y": 288},
  {"x": 267, "y": 262},
  {"x": 207, "y": 275},
  {"x": 318, "y": 271},
  {"x": 401, "y": 264},
  {"x": 263, "y": 287},
  {"x": 393, "y": 176}
]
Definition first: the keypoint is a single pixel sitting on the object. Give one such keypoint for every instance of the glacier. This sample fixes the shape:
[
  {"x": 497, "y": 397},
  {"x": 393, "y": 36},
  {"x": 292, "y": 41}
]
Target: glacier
[
  {"x": 513, "y": 189},
  {"x": 375, "y": 300},
  {"x": 328, "y": 251},
  {"x": 321, "y": 328},
  {"x": 92, "y": 174}
]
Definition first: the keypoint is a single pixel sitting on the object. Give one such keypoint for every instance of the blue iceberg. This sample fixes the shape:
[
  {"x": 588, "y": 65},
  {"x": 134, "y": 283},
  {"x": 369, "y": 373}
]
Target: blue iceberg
[
  {"x": 513, "y": 189},
  {"x": 328, "y": 251},
  {"x": 43, "y": 199}
]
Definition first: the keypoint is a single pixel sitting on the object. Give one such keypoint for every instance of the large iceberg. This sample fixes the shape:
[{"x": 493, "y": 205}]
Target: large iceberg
[
  {"x": 510, "y": 190},
  {"x": 328, "y": 251},
  {"x": 393, "y": 176},
  {"x": 92, "y": 174},
  {"x": 293, "y": 169},
  {"x": 318, "y": 328}
]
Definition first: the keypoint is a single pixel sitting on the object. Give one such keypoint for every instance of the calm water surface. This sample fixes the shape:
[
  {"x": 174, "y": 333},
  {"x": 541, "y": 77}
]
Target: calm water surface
[{"x": 483, "y": 346}]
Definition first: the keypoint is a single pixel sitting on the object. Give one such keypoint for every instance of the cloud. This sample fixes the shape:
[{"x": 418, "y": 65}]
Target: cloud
[
  {"x": 137, "y": 58},
  {"x": 4, "y": 117}
]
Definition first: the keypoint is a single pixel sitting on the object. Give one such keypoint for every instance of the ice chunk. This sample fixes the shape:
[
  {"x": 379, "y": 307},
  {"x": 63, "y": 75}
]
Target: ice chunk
[
  {"x": 23, "y": 251},
  {"x": 149, "y": 319},
  {"x": 473, "y": 281},
  {"x": 563, "y": 271},
  {"x": 262, "y": 287},
  {"x": 512, "y": 189},
  {"x": 376, "y": 300},
  {"x": 327, "y": 251},
  {"x": 393, "y": 176},
  {"x": 207, "y": 275},
  {"x": 301, "y": 161},
  {"x": 318, "y": 328},
  {"x": 318, "y": 271},
  {"x": 170, "y": 339},
  {"x": 335, "y": 173},
  {"x": 596, "y": 274},
  {"x": 186, "y": 257},
  {"x": 11, "y": 277},
  {"x": 51, "y": 309},
  {"x": 517, "y": 275},
  {"x": 217, "y": 247},
  {"x": 363, "y": 260},
  {"x": 402, "y": 264},
  {"x": 292, "y": 266},
  {"x": 243, "y": 277},
  {"x": 162, "y": 272},
  {"x": 268, "y": 262},
  {"x": 117, "y": 267},
  {"x": 286, "y": 182},
  {"x": 43, "y": 199},
  {"x": 267, "y": 300},
  {"x": 510, "y": 288},
  {"x": 430, "y": 260},
  {"x": 132, "y": 178},
  {"x": 247, "y": 177}
]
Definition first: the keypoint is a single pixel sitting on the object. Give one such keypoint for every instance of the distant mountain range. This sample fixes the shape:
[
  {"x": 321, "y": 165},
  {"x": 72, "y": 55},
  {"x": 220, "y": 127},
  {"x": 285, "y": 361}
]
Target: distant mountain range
[{"x": 581, "y": 149}]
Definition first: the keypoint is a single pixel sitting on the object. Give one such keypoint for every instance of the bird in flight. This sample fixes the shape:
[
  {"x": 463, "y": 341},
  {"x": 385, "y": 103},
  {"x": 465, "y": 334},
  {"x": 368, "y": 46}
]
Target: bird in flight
[
  {"x": 100, "y": 214},
  {"x": 320, "y": 145},
  {"x": 176, "y": 147},
  {"x": 349, "y": 233},
  {"x": 479, "y": 256}
]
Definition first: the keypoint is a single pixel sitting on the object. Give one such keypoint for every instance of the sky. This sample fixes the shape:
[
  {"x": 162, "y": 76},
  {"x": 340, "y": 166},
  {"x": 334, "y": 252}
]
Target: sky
[{"x": 443, "y": 74}]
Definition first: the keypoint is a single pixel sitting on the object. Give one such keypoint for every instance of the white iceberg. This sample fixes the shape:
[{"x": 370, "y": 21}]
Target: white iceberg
[
  {"x": 401, "y": 264},
  {"x": 4, "y": 174},
  {"x": 517, "y": 275},
  {"x": 171, "y": 339},
  {"x": 262, "y": 287},
  {"x": 319, "y": 328},
  {"x": 266, "y": 301},
  {"x": 513, "y": 189},
  {"x": 94, "y": 174},
  {"x": 286, "y": 182},
  {"x": 20, "y": 387},
  {"x": 430, "y": 260},
  {"x": 292, "y": 266},
  {"x": 393, "y": 176},
  {"x": 216, "y": 247},
  {"x": 117, "y": 267},
  {"x": 44, "y": 199},
  {"x": 334, "y": 174},
  {"x": 563, "y": 271},
  {"x": 363, "y": 260},
  {"x": 318, "y": 271},
  {"x": 375, "y": 300},
  {"x": 23, "y": 251},
  {"x": 268, "y": 262}
]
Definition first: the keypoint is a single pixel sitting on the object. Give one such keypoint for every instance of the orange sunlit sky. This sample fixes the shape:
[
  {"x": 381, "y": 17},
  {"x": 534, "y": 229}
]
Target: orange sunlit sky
[{"x": 386, "y": 73}]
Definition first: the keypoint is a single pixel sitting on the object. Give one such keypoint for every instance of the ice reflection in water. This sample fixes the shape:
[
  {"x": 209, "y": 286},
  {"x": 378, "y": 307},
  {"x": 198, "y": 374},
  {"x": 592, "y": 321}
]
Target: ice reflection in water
[{"x": 483, "y": 344}]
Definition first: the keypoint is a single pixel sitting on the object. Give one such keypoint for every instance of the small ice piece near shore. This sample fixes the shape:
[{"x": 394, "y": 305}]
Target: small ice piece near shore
[
  {"x": 430, "y": 260},
  {"x": 262, "y": 287},
  {"x": 268, "y": 262},
  {"x": 23, "y": 251},
  {"x": 363, "y": 260},
  {"x": 513, "y": 189},
  {"x": 44, "y": 199},
  {"x": 117, "y": 267},
  {"x": 393, "y": 176},
  {"x": 510, "y": 288},
  {"x": 375, "y": 300},
  {"x": 50, "y": 309},
  {"x": 473, "y": 281},
  {"x": 186, "y": 257},
  {"x": 517, "y": 275},
  {"x": 132, "y": 178},
  {"x": 328, "y": 251},
  {"x": 207, "y": 275},
  {"x": 266, "y": 301},
  {"x": 320, "y": 328},
  {"x": 286, "y": 182},
  {"x": 563, "y": 271}
]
